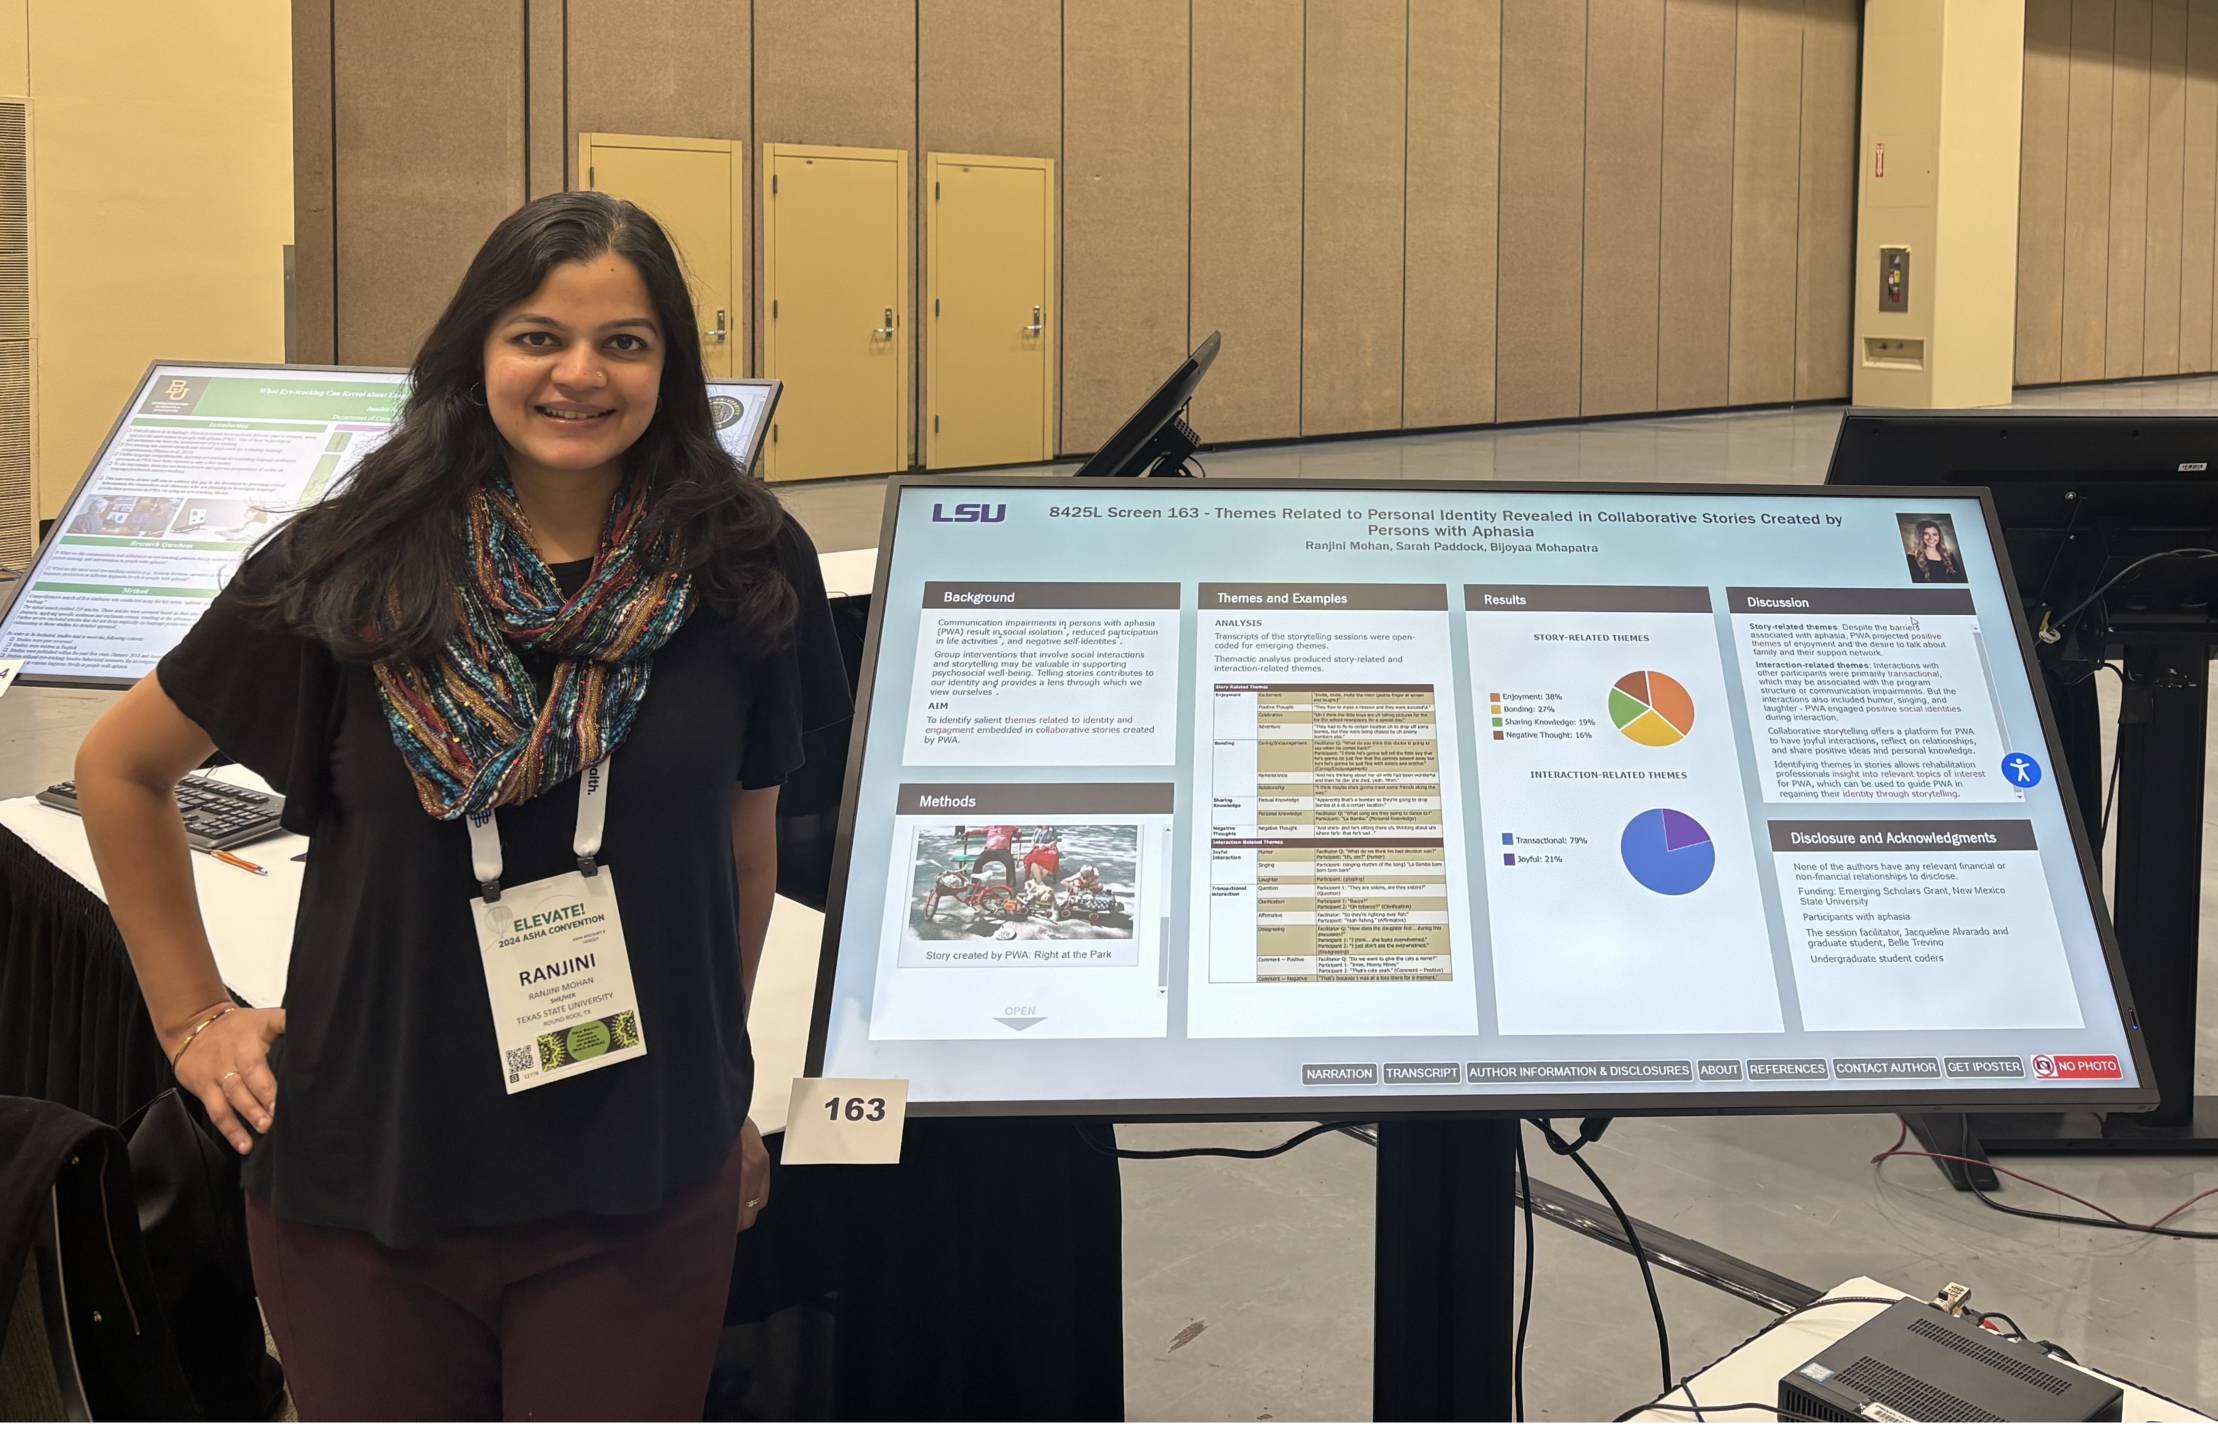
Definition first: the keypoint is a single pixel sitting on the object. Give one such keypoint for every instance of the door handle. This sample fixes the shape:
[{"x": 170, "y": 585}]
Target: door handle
[
  {"x": 719, "y": 333},
  {"x": 884, "y": 334},
  {"x": 1036, "y": 327}
]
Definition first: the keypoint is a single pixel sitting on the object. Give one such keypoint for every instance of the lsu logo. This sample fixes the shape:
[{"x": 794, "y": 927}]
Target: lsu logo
[{"x": 971, "y": 512}]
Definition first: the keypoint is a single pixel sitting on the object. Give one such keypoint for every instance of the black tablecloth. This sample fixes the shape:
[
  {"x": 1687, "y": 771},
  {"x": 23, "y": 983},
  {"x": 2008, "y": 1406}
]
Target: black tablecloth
[{"x": 981, "y": 1278}]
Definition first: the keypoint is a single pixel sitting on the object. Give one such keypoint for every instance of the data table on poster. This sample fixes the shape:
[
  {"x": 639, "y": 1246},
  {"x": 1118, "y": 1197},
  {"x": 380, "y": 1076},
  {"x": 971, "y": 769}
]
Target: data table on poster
[
  {"x": 1261, "y": 796},
  {"x": 1327, "y": 812}
]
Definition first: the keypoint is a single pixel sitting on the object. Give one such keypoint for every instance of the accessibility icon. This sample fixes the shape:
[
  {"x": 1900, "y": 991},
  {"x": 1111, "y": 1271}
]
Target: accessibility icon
[{"x": 2022, "y": 771}]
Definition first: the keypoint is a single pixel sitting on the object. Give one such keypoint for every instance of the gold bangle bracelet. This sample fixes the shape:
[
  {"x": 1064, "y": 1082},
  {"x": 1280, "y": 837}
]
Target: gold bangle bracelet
[{"x": 198, "y": 1030}]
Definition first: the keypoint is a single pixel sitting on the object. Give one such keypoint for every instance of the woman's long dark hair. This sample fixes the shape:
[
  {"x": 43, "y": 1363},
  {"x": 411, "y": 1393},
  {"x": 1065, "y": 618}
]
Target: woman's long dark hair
[{"x": 372, "y": 571}]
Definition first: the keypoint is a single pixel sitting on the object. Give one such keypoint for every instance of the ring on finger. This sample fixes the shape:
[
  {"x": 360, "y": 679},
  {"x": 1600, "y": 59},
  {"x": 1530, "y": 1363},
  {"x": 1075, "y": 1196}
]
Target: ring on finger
[{"x": 234, "y": 1073}]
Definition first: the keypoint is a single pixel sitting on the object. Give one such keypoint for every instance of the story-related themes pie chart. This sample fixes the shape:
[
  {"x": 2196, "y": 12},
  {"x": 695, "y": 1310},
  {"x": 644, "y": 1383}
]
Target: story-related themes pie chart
[
  {"x": 1651, "y": 708},
  {"x": 1667, "y": 852}
]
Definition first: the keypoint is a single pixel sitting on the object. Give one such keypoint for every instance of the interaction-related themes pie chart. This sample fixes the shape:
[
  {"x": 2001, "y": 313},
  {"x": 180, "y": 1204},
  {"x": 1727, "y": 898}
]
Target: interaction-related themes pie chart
[
  {"x": 1652, "y": 708},
  {"x": 1667, "y": 852}
]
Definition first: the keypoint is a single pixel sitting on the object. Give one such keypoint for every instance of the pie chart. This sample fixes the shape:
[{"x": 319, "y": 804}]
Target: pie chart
[
  {"x": 1667, "y": 852},
  {"x": 1651, "y": 708}
]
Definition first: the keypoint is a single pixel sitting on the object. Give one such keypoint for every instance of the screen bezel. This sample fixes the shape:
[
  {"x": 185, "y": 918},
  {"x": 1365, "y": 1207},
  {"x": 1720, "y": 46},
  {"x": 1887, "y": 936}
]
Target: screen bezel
[
  {"x": 776, "y": 388},
  {"x": 69, "y": 503},
  {"x": 2139, "y": 1096}
]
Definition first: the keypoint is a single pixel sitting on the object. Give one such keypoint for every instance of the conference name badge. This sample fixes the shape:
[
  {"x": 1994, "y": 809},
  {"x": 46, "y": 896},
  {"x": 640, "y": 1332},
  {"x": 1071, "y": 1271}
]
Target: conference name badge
[{"x": 559, "y": 978}]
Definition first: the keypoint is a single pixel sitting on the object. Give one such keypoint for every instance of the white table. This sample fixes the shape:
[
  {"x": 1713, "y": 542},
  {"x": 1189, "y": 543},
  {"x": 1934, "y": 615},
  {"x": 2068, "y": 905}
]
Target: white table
[
  {"x": 1752, "y": 1372},
  {"x": 250, "y": 917}
]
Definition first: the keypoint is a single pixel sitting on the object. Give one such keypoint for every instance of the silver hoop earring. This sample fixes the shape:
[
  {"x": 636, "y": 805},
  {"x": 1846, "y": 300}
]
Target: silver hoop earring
[{"x": 475, "y": 394}]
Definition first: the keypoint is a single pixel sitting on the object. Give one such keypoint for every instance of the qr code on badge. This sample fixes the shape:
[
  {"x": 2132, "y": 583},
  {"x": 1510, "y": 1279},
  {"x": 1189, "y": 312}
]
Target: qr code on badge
[{"x": 520, "y": 1061}]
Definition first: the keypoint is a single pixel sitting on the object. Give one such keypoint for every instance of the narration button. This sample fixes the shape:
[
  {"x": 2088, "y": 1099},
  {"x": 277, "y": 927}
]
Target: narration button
[{"x": 1346, "y": 1075}]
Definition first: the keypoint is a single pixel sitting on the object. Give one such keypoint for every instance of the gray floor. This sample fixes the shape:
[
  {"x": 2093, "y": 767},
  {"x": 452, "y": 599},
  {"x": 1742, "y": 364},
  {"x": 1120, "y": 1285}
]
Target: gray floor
[{"x": 1248, "y": 1285}]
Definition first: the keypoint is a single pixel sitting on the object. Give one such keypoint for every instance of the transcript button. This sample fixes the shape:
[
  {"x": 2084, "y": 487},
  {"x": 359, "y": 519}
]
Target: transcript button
[
  {"x": 1985, "y": 1067},
  {"x": 1326, "y": 1075},
  {"x": 1424, "y": 1073},
  {"x": 1720, "y": 1069}
]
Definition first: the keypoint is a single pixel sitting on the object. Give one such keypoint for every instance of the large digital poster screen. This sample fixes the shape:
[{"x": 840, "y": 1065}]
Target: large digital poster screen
[
  {"x": 1253, "y": 796},
  {"x": 201, "y": 465}
]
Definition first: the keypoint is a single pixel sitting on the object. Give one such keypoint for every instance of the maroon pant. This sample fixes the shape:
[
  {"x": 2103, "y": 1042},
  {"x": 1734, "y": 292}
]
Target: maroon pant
[{"x": 572, "y": 1319}]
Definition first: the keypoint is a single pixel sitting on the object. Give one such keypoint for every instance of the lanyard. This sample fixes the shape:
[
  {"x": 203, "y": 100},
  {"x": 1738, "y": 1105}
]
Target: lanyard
[{"x": 485, "y": 835}]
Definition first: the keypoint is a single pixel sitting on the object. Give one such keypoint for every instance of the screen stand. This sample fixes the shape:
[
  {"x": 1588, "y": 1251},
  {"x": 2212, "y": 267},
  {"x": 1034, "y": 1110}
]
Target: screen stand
[
  {"x": 1168, "y": 454},
  {"x": 1445, "y": 1296},
  {"x": 2156, "y": 899}
]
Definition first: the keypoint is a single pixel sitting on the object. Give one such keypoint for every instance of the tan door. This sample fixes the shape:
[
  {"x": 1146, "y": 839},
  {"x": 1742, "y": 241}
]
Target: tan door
[
  {"x": 695, "y": 189},
  {"x": 990, "y": 323},
  {"x": 835, "y": 271}
]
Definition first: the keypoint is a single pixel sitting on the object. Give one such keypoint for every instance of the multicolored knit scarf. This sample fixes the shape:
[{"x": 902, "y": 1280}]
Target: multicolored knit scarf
[{"x": 470, "y": 722}]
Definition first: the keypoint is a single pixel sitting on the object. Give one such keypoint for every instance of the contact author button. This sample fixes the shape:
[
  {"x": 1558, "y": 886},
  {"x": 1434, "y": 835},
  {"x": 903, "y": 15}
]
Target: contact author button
[{"x": 1886, "y": 1068}]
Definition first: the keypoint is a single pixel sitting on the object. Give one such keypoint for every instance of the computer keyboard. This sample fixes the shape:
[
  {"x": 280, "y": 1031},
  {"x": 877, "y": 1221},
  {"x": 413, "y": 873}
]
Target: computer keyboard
[{"x": 217, "y": 816}]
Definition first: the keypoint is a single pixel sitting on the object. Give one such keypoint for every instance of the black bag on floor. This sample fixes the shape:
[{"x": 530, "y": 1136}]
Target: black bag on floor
[{"x": 192, "y": 1217}]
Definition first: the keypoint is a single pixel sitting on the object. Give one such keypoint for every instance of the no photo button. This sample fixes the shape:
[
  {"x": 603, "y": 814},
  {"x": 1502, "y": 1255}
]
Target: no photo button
[{"x": 2022, "y": 771}]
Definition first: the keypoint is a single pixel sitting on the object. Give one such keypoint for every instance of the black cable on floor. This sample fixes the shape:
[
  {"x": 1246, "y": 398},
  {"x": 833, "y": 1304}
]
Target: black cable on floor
[
  {"x": 1094, "y": 1141},
  {"x": 1524, "y": 1302},
  {"x": 1640, "y": 1255},
  {"x": 2074, "y": 1220},
  {"x": 1728, "y": 1406}
]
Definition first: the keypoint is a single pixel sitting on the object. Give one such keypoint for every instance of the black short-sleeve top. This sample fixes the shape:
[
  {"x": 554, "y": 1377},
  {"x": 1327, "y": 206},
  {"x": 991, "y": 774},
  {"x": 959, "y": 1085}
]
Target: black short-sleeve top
[{"x": 393, "y": 1114}]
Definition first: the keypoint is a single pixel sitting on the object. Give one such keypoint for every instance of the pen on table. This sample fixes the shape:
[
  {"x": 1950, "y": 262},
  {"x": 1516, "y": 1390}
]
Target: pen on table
[{"x": 231, "y": 859}]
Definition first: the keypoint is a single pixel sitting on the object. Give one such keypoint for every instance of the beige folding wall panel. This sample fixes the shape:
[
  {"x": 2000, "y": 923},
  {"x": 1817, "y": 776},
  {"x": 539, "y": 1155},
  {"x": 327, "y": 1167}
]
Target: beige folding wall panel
[
  {"x": 1767, "y": 164},
  {"x": 2042, "y": 145},
  {"x": 2118, "y": 190},
  {"x": 1695, "y": 303},
  {"x": 2125, "y": 311},
  {"x": 990, "y": 76},
  {"x": 428, "y": 131},
  {"x": 547, "y": 133},
  {"x": 315, "y": 236},
  {"x": 663, "y": 69},
  {"x": 1401, "y": 213},
  {"x": 2198, "y": 187},
  {"x": 1537, "y": 353},
  {"x": 1354, "y": 174},
  {"x": 1247, "y": 215},
  {"x": 1825, "y": 226},
  {"x": 1125, "y": 95},
  {"x": 2087, "y": 192},
  {"x": 2160, "y": 302},
  {"x": 1454, "y": 146},
  {"x": 1623, "y": 205}
]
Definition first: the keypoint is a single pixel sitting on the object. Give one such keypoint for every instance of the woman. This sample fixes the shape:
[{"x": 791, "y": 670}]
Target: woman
[
  {"x": 1930, "y": 558},
  {"x": 544, "y": 640}
]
